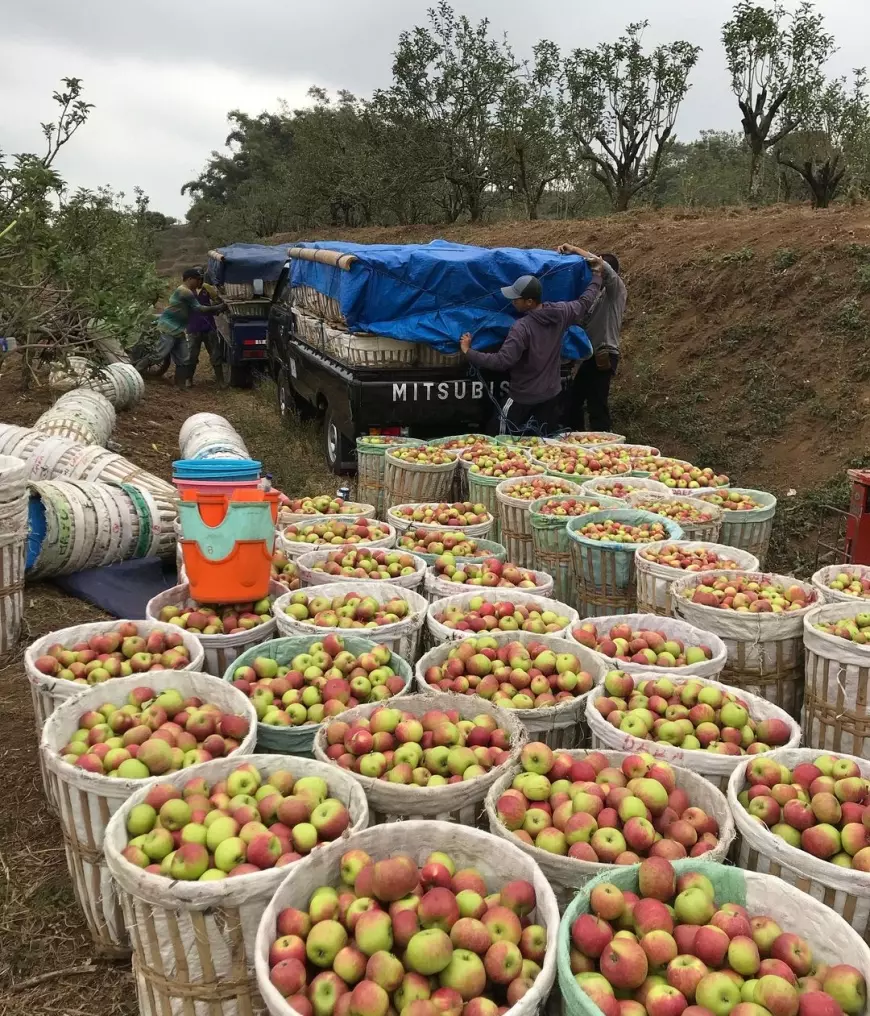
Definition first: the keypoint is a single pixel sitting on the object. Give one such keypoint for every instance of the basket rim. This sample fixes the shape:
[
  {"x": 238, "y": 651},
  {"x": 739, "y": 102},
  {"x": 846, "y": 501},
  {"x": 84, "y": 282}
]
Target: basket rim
[
  {"x": 766, "y": 617},
  {"x": 576, "y": 521}
]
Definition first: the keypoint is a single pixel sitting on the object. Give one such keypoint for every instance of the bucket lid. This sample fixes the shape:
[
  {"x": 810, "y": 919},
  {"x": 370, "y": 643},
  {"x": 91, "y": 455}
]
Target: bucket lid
[{"x": 216, "y": 469}]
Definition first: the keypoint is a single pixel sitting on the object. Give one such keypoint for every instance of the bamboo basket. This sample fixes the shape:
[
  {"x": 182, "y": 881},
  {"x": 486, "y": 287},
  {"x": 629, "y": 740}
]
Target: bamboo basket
[
  {"x": 515, "y": 520},
  {"x": 824, "y": 575},
  {"x": 567, "y": 875},
  {"x": 358, "y": 349},
  {"x": 462, "y": 803},
  {"x": 371, "y": 460},
  {"x": 491, "y": 548},
  {"x": 14, "y": 504},
  {"x": 552, "y": 546},
  {"x": 437, "y": 588},
  {"x": 87, "y": 800},
  {"x": 835, "y": 714},
  {"x": 318, "y": 304},
  {"x": 844, "y": 890},
  {"x": 654, "y": 581},
  {"x": 296, "y": 548},
  {"x": 484, "y": 490},
  {"x": 749, "y": 530},
  {"x": 586, "y": 438},
  {"x": 401, "y": 523},
  {"x": 193, "y": 942},
  {"x": 559, "y": 726},
  {"x": 416, "y": 482},
  {"x": 707, "y": 530},
  {"x": 632, "y": 484},
  {"x": 286, "y": 517},
  {"x": 765, "y": 651},
  {"x": 310, "y": 577},
  {"x": 204, "y": 433},
  {"x": 439, "y": 632},
  {"x": 604, "y": 573}
]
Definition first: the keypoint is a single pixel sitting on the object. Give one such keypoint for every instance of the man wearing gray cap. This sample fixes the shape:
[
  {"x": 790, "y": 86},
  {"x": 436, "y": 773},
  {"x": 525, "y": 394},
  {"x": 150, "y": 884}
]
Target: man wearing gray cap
[{"x": 532, "y": 351}]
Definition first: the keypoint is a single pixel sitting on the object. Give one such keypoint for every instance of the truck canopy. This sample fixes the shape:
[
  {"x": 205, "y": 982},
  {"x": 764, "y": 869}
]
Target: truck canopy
[
  {"x": 433, "y": 293},
  {"x": 244, "y": 262}
]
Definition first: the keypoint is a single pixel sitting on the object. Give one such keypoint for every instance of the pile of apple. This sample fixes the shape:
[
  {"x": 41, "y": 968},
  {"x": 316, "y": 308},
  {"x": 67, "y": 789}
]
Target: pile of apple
[
  {"x": 686, "y": 714},
  {"x": 350, "y": 610},
  {"x": 535, "y": 487},
  {"x": 430, "y": 750},
  {"x": 483, "y": 614},
  {"x": 619, "y": 488},
  {"x": 427, "y": 455},
  {"x": 498, "y": 460},
  {"x": 117, "y": 653},
  {"x": 367, "y": 564},
  {"x": 238, "y": 826},
  {"x": 851, "y": 583},
  {"x": 321, "y": 504},
  {"x": 513, "y": 676},
  {"x": 733, "y": 501},
  {"x": 669, "y": 950},
  {"x": 395, "y": 938},
  {"x": 336, "y": 532},
  {"x": 463, "y": 441},
  {"x": 648, "y": 648},
  {"x": 746, "y": 595},
  {"x": 853, "y": 629},
  {"x": 285, "y": 571},
  {"x": 522, "y": 440},
  {"x": 319, "y": 683},
  {"x": 690, "y": 559},
  {"x": 218, "y": 618},
  {"x": 650, "y": 462},
  {"x": 568, "y": 507},
  {"x": 822, "y": 807},
  {"x": 592, "y": 811},
  {"x": 488, "y": 573},
  {"x": 460, "y": 513},
  {"x": 685, "y": 477},
  {"x": 427, "y": 541},
  {"x": 580, "y": 463},
  {"x": 585, "y": 438},
  {"x": 677, "y": 509},
  {"x": 613, "y": 531},
  {"x": 383, "y": 439},
  {"x": 153, "y": 733}
]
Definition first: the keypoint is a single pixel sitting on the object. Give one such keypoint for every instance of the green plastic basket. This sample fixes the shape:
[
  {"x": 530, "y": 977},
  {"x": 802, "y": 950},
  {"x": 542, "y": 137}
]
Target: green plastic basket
[{"x": 300, "y": 740}]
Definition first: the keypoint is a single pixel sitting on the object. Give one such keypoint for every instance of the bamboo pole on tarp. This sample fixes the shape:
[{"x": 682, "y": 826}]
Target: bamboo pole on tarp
[{"x": 333, "y": 258}]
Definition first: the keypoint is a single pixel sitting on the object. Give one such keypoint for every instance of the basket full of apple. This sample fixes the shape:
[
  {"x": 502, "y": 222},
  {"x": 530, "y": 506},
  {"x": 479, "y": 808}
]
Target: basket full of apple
[
  {"x": 462, "y": 516},
  {"x": 515, "y": 498},
  {"x": 659, "y": 566},
  {"x": 698, "y": 519}
]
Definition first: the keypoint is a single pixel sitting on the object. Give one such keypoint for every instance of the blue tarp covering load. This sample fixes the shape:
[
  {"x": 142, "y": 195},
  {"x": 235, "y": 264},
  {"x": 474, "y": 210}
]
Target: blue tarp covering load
[
  {"x": 433, "y": 293},
  {"x": 244, "y": 262}
]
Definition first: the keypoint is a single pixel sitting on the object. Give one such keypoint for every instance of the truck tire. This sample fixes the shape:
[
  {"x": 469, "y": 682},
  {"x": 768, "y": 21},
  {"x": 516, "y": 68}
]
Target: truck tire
[
  {"x": 338, "y": 449},
  {"x": 290, "y": 404},
  {"x": 238, "y": 375}
]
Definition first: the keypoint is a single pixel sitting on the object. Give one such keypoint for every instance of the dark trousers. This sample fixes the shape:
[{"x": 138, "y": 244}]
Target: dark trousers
[
  {"x": 589, "y": 394},
  {"x": 541, "y": 419},
  {"x": 213, "y": 345}
]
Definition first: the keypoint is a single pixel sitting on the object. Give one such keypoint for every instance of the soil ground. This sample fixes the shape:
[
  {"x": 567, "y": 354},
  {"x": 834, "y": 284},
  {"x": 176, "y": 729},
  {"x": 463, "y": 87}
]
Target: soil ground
[{"x": 747, "y": 348}]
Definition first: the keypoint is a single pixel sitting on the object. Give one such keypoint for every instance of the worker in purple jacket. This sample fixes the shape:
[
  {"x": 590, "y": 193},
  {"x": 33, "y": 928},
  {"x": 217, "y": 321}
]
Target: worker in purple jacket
[
  {"x": 532, "y": 352},
  {"x": 201, "y": 329}
]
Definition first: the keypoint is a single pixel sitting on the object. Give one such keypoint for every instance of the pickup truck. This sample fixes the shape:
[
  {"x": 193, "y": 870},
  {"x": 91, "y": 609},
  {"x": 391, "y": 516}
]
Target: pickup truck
[{"x": 352, "y": 401}]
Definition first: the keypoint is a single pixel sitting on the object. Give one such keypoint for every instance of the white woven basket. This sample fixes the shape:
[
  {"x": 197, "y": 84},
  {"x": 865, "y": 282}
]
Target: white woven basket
[
  {"x": 515, "y": 518},
  {"x": 437, "y": 588},
  {"x": 416, "y": 482},
  {"x": 633, "y": 484},
  {"x": 354, "y": 509},
  {"x": 296, "y": 548},
  {"x": 310, "y": 577},
  {"x": 654, "y": 581},
  {"x": 704, "y": 529},
  {"x": 402, "y": 524},
  {"x": 824, "y": 575},
  {"x": 441, "y": 633}
]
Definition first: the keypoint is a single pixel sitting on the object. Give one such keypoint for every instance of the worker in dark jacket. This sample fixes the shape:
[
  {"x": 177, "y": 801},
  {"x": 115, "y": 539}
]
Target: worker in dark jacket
[
  {"x": 532, "y": 351},
  {"x": 201, "y": 329}
]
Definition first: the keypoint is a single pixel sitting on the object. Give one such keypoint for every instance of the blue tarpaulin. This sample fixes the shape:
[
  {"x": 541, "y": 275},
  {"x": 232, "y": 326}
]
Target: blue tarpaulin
[
  {"x": 244, "y": 262},
  {"x": 436, "y": 292}
]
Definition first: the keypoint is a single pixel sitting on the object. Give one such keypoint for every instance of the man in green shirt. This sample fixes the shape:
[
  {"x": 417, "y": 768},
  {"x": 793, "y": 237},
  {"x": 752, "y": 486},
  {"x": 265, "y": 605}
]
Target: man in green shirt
[{"x": 172, "y": 328}]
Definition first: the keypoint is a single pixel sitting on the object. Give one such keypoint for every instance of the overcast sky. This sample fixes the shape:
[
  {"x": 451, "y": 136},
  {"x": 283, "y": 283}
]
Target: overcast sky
[{"x": 163, "y": 75}]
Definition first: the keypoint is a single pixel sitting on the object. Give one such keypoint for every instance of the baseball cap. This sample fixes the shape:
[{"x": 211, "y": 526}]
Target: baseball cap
[
  {"x": 527, "y": 287},
  {"x": 193, "y": 273}
]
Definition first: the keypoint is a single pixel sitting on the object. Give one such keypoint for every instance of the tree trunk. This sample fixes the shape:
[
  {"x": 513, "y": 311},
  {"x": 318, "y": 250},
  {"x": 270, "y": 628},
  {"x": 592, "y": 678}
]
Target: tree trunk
[
  {"x": 532, "y": 207},
  {"x": 622, "y": 200},
  {"x": 755, "y": 172}
]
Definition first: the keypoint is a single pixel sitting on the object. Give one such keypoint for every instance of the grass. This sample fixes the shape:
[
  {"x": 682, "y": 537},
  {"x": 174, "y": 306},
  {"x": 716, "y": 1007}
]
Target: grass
[
  {"x": 738, "y": 257},
  {"x": 850, "y": 316},
  {"x": 862, "y": 274},
  {"x": 784, "y": 258}
]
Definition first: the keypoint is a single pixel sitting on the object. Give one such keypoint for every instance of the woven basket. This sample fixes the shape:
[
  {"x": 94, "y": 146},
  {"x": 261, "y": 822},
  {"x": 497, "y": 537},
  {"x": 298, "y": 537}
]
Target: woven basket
[
  {"x": 87, "y": 800},
  {"x": 836, "y": 716},
  {"x": 749, "y": 530},
  {"x": 633, "y": 484},
  {"x": 707, "y": 529},
  {"x": 552, "y": 547},
  {"x": 713, "y": 767},
  {"x": 765, "y": 651},
  {"x": 439, "y": 632},
  {"x": 586, "y": 438},
  {"x": 370, "y": 459},
  {"x": 310, "y": 577},
  {"x": 416, "y": 482},
  {"x": 567, "y": 875},
  {"x": 81, "y": 415},
  {"x": 14, "y": 504},
  {"x": 559, "y": 726},
  {"x": 604, "y": 573},
  {"x": 402, "y": 524},
  {"x": 296, "y": 548},
  {"x": 515, "y": 519},
  {"x": 193, "y": 942},
  {"x": 436, "y": 587},
  {"x": 654, "y": 581},
  {"x": 207, "y": 435},
  {"x": 844, "y": 890},
  {"x": 461, "y": 802},
  {"x": 484, "y": 490},
  {"x": 832, "y": 940},
  {"x": 300, "y": 740},
  {"x": 403, "y": 637},
  {"x": 220, "y": 650},
  {"x": 491, "y": 549},
  {"x": 350, "y": 509},
  {"x": 824, "y": 575},
  {"x": 497, "y": 861}
]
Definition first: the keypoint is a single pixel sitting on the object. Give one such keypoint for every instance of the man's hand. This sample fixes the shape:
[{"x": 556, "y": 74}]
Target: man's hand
[
  {"x": 465, "y": 342},
  {"x": 595, "y": 263}
]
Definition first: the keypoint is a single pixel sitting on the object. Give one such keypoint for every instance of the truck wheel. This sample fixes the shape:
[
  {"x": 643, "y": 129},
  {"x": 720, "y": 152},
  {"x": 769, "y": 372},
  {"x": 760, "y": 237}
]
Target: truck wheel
[
  {"x": 238, "y": 375},
  {"x": 338, "y": 449},
  {"x": 291, "y": 405}
]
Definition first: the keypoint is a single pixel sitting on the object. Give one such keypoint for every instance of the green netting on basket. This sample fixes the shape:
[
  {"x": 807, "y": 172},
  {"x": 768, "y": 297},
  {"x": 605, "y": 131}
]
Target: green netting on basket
[
  {"x": 300, "y": 740},
  {"x": 728, "y": 884}
]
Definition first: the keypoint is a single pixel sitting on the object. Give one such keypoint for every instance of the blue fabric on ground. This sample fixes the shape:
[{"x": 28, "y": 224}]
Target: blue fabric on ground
[
  {"x": 124, "y": 589},
  {"x": 244, "y": 262},
  {"x": 433, "y": 293}
]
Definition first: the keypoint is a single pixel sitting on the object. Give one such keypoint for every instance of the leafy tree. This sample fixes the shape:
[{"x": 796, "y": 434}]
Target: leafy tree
[
  {"x": 620, "y": 108},
  {"x": 775, "y": 59}
]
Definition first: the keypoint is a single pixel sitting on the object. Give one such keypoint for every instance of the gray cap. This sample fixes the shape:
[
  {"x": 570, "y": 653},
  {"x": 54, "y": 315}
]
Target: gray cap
[{"x": 527, "y": 287}]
